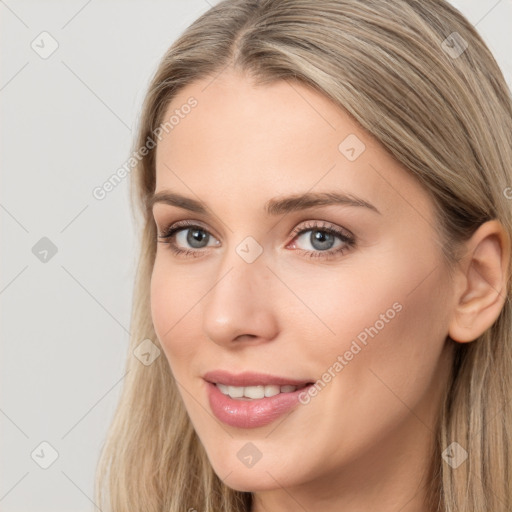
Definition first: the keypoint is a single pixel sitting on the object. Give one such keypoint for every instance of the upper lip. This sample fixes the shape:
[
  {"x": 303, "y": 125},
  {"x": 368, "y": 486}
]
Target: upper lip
[{"x": 250, "y": 379}]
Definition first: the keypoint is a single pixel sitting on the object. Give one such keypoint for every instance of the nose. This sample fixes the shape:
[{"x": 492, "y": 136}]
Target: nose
[{"x": 239, "y": 306}]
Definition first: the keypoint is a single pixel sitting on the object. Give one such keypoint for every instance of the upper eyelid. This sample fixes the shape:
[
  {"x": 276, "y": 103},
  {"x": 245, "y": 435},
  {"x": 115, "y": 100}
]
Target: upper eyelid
[
  {"x": 323, "y": 225},
  {"x": 184, "y": 224}
]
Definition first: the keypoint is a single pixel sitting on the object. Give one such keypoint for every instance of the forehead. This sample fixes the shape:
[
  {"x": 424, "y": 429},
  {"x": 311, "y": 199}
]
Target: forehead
[
  {"x": 253, "y": 142},
  {"x": 234, "y": 114}
]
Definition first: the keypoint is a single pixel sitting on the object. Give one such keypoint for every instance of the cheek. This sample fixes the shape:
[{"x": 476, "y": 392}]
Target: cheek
[
  {"x": 171, "y": 303},
  {"x": 391, "y": 324},
  {"x": 388, "y": 315},
  {"x": 400, "y": 291}
]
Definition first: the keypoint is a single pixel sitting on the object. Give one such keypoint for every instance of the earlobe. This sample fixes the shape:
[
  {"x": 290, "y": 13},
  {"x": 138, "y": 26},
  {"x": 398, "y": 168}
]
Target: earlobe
[{"x": 484, "y": 277}]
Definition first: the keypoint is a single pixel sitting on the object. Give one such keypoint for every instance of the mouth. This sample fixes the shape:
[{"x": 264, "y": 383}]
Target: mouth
[
  {"x": 253, "y": 386},
  {"x": 257, "y": 392},
  {"x": 251, "y": 406}
]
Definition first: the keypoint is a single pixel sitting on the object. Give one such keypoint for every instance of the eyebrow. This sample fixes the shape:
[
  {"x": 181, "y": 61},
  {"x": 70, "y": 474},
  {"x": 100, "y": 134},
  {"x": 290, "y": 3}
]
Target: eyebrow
[{"x": 275, "y": 206}]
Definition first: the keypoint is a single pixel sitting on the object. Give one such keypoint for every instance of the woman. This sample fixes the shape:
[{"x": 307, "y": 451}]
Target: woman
[{"x": 324, "y": 281}]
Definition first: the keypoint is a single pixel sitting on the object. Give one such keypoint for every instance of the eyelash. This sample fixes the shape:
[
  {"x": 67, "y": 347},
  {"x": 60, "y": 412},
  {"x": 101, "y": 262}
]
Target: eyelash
[{"x": 349, "y": 242}]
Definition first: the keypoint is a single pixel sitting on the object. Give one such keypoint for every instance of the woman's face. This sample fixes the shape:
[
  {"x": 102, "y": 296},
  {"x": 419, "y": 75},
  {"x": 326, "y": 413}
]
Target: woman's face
[{"x": 353, "y": 296}]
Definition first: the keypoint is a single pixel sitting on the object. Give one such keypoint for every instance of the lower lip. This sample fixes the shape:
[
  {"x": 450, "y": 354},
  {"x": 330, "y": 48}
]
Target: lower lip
[{"x": 250, "y": 413}]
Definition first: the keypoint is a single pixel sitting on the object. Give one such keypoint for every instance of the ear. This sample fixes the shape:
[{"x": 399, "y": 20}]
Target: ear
[{"x": 483, "y": 278}]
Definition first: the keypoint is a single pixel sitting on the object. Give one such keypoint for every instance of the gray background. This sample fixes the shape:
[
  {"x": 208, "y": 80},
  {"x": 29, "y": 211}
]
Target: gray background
[{"x": 67, "y": 125}]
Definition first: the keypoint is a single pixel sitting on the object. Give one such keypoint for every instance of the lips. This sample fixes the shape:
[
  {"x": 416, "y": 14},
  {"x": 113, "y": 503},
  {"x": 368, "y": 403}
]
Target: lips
[
  {"x": 247, "y": 413},
  {"x": 281, "y": 395},
  {"x": 246, "y": 379}
]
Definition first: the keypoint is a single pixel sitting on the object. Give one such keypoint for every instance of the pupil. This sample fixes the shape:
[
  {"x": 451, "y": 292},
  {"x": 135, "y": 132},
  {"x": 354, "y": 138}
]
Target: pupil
[
  {"x": 196, "y": 237},
  {"x": 321, "y": 239}
]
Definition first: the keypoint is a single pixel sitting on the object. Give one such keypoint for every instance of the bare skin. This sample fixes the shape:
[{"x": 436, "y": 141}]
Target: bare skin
[{"x": 365, "y": 441}]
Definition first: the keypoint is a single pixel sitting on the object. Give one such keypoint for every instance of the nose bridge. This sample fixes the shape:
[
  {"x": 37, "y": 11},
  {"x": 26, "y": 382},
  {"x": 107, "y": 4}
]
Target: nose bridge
[
  {"x": 242, "y": 271},
  {"x": 238, "y": 301}
]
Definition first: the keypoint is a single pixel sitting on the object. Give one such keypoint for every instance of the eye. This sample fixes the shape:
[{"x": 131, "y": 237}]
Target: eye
[
  {"x": 325, "y": 240},
  {"x": 195, "y": 236},
  {"x": 185, "y": 233}
]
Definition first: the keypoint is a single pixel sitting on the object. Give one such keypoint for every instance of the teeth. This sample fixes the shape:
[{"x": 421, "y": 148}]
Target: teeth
[
  {"x": 223, "y": 388},
  {"x": 272, "y": 390},
  {"x": 234, "y": 392},
  {"x": 254, "y": 392}
]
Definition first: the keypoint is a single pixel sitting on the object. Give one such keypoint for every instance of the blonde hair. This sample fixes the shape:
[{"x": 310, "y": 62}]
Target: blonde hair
[{"x": 446, "y": 117}]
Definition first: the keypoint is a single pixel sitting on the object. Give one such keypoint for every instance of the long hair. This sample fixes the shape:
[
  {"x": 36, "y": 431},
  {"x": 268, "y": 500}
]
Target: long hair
[{"x": 419, "y": 78}]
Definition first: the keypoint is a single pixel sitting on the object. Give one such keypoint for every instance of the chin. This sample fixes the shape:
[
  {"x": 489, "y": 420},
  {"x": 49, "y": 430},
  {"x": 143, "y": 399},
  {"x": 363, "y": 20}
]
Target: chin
[
  {"x": 246, "y": 481},
  {"x": 260, "y": 477}
]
